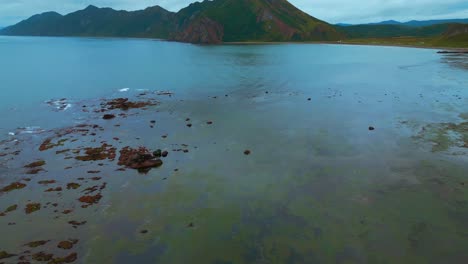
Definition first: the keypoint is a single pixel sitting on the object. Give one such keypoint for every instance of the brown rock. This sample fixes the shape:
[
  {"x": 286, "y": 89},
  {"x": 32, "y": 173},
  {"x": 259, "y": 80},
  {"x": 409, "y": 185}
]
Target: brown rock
[
  {"x": 65, "y": 245},
  {"x": 13, "y": 186},
  {"x": 35, "y": 244},
  {"x": 35, "y": 164},
  {"x": 32, "y": 207}
]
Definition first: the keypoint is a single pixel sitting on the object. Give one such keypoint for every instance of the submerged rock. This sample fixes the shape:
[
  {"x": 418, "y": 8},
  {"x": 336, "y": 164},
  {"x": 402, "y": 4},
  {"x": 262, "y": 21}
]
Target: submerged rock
[
  {"x": 35, "y": 164},
  {"x": 11, "y": 208},
  {"x": 108, "y": 116},
  {"x": 73, "y": 186},
  {"x": 13, "y": 186},
  {"x": 75, "y": 224},
  {"x": 32, "y": 207},
  {"x": 103, "y": 152},
  {"x": 140, "y": 159},
  {"x": 35, "y": 244},
  {"x": 67, "y": 244},
  {"x": 42, "y": 256},
  {"x": 90, "y": 199},
  {"x": 157, "y": 153},
  {"x": 68, "y": 259},
  {"x": 4, "y": 255},
  {"x": 125, "y": 104}
]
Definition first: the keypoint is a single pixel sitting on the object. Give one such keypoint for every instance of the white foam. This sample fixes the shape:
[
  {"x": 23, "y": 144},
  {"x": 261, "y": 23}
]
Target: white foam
[
  {"x": 67, "y": 106},
  {"x": 124, "y": 90},
  {"x": 31, "y": 130},
  {"x": 11, "y": 133}
]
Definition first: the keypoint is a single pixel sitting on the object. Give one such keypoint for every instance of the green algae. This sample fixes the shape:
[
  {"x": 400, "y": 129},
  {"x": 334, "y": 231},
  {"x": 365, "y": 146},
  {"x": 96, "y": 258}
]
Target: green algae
[
  {"x": 4, "y": 255},
  {"x": 35, "y": 244},
  {"x": 324, "y": 216},
  {"x": 13, "y": 186},
  {"x": 445, "y": 136},
  {"x": 11, "y": 208}
]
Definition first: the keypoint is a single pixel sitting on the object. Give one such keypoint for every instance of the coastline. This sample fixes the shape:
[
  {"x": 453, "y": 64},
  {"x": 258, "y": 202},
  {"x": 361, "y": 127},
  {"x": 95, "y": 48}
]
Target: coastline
[
  {"x": 348, "y": 43},
  {"x": 460, "y": 49}
]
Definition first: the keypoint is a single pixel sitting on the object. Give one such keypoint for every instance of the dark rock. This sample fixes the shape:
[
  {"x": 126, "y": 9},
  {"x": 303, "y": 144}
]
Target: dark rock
[
  {"x": 247, "y": 152},
  {"x": 108, "y": 116},
  {"x": 139, "y": 159},
  {"x": 157, "y": 153},
  {"x": 164, "y": 154},
  {"x": 371, "y": 128}
]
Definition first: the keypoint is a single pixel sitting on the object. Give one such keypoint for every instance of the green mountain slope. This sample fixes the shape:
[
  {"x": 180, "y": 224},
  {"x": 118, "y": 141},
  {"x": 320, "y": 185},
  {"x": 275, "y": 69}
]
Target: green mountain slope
[
  {"x": 206, "y": 22},
  {"x": 455, "y": 36},
  {"x": 93, "y": 21},
  {"x": 256, "y": 20}
]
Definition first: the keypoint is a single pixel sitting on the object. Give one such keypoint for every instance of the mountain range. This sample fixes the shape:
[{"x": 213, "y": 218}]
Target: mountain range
[
  {"x": 218, "y": 21},
  {"x": 413, "y": 23},
  {"x": 201, "y": 22}
]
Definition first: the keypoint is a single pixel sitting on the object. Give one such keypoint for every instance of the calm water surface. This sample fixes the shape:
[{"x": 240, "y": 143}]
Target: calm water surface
[{"x": 318, "y": 186}]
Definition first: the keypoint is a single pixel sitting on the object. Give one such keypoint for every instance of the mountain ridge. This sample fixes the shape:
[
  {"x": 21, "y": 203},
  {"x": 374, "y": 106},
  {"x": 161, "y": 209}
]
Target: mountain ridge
[
  {"x": 412, "y": 23},
  {"x": 206, "y": 22}
]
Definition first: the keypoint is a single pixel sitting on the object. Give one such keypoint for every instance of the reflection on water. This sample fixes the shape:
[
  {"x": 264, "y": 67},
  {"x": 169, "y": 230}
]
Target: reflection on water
[
  {"x": 456, "y": 60},
  {"x": 317, "y": 187}
]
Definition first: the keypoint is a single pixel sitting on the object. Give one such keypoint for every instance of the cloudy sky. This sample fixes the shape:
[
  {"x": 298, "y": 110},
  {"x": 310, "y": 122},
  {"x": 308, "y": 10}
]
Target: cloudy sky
[{"x": 333, "y": 11}]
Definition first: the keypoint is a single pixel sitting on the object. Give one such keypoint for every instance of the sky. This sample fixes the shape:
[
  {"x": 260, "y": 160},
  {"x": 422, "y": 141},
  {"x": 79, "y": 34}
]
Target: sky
[{"x": 332, "y": 11}]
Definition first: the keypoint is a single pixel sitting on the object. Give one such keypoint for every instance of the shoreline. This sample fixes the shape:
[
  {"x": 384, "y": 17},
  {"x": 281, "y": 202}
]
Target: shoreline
[
  {"x": 347, "y": 43},
  {"x": 462, "y": 50}
]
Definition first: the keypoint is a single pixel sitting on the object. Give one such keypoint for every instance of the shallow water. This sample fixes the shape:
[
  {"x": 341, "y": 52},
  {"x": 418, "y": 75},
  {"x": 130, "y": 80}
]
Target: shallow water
[{"x": 318, "y": 186}]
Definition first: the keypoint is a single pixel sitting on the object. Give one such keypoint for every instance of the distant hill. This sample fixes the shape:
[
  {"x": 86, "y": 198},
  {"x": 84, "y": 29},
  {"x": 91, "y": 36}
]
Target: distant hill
[
  {"x": 387, "y": 31},
  {"x": 413, "y": 23},
  {"x": 206, "y": 22},
  {"x": 455, "y": 35},
  {"x": 94, "y": 21}
]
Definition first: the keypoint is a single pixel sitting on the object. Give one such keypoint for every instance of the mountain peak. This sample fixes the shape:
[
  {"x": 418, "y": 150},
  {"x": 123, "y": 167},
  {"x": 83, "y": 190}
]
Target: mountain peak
[{"x": 91, "y": 7}]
